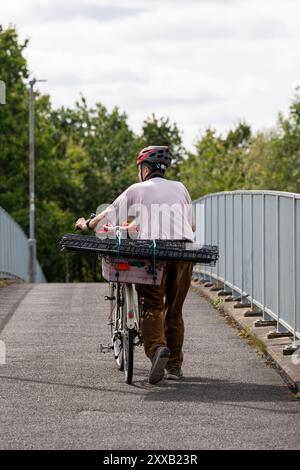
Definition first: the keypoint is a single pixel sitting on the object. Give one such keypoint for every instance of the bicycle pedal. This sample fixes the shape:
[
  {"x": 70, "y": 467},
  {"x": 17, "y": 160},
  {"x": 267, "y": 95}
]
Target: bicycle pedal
[
  {"x": 104, "y": 349},
  {"x": 106, "y": 297}
]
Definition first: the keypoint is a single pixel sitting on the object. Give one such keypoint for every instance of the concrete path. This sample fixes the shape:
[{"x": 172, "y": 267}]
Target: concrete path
[{"x": 56, "y": 392}]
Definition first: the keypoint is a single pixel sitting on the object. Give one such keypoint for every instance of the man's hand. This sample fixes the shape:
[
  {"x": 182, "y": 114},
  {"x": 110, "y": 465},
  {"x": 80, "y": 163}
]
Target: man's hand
[{"x": 81, "y": 224}]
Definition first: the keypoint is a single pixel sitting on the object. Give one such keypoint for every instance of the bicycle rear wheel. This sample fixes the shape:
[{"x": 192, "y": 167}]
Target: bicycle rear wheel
[
  {"x": 128, "y": 348},
  {"x": 128, "y": 343},
  {"x": 116, "y": 325}
]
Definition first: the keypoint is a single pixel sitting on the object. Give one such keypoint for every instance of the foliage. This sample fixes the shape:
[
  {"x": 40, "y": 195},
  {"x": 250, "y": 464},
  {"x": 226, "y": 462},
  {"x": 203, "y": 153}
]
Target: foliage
[
  {"x": 217, "y": 164},
  {"x": 13, "y": 121}
]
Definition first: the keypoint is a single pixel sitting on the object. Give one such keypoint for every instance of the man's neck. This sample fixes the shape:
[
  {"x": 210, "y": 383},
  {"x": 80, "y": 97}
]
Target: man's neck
[{"x": 154, "y": 175}]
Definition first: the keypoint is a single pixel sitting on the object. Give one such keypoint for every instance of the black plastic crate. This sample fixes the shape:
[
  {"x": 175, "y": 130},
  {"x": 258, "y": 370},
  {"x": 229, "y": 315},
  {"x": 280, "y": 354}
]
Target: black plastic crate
[{"x": 165, "y": 250}]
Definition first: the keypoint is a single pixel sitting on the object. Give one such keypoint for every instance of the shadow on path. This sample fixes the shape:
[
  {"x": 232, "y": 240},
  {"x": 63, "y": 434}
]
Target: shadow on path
[{"x": 189, "y": 389}]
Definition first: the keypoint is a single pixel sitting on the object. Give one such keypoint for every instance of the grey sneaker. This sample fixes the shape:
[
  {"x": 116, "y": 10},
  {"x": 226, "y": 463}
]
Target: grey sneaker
[
  {"x": 159, "y": 361},
  {"x": 174, "y": 374}
]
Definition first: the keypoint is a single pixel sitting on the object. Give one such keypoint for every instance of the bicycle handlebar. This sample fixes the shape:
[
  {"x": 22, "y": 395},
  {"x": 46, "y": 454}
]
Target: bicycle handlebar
[{"x": 108, "y": 228}]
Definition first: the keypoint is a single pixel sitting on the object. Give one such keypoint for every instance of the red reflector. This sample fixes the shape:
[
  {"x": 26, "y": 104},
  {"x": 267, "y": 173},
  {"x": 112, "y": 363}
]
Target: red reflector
[
  {"x": 131, "y": 314},
  {"x": 121, "y": 266}
]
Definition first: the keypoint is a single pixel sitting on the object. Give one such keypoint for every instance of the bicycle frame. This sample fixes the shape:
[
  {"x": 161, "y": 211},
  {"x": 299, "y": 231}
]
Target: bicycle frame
[
  {"x": 125, "y": 316},
  {"x": 132, "y": 319}
]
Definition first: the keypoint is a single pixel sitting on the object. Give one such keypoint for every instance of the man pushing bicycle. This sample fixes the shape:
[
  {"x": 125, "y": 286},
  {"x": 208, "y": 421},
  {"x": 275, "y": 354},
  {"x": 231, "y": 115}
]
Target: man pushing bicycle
[{"x": 162, "y": 209}]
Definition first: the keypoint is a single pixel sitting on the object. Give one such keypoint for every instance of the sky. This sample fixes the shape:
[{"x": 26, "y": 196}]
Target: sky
[{"x": 202, "y": 63}]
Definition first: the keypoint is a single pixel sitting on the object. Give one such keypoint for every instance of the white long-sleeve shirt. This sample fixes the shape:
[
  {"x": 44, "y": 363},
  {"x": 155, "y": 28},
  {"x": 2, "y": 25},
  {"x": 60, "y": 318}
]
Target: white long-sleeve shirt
[{"x": 161, "y": 208}]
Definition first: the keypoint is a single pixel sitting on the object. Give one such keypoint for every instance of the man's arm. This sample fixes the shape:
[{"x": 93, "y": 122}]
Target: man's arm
[
  {"x": 81, "y": 222},
  {"x": 95, "y": 221},
  {"x": 116, "y": 213}
]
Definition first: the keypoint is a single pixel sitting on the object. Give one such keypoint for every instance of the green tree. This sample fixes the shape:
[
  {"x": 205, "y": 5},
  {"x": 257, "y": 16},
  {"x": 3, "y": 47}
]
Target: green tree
[
  {"x": 273, "y": 157},
  {"x": 283, "y": 164},
  {"x": 13, "y": 121},
  {"x": 95, "y": 161},
  {"x": 217, "y": 164},
  {"x": 239, "y": 136}
]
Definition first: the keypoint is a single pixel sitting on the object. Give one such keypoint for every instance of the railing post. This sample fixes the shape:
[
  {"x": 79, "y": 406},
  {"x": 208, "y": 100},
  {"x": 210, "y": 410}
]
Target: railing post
[
  {"x": 209, "y": 272},
  {"x": 216, "y": 286},
  {"x": 253, "y": 312},
  {"x": 263, "y": 255},
  {"x": 233, "y": 246},
  {"x": 225, "y": 292},
  {"x": 218, "y": 235},
  {"x": 278, "y": 258},
  {"x": 280, "y": 330},
  {"x": 242, "y": 249},
  {"x": 210, "y": 281},
  {"x": 243, "y": 303},
  {"x": 211, "y": 234},
  {"x": 232, "y": 297},
  {"x": 225, "y": 251},
  {"x": 294, "y": 346},
  {"x": 251, "y": 252},
  {"x": 205, "y": 233},
  {"x": 266, "y": 319},
  {"x": 197, "y": 206},
  {"x": 295, "y": 269}
]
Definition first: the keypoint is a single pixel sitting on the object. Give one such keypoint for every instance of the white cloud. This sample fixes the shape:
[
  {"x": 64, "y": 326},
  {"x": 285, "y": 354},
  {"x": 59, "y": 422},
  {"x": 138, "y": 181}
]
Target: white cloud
[{"x": 200, "y": 62}]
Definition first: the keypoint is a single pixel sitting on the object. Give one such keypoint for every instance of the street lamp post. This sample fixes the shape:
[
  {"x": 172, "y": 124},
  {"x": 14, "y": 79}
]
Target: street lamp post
[{"x": 32, "y": 240}]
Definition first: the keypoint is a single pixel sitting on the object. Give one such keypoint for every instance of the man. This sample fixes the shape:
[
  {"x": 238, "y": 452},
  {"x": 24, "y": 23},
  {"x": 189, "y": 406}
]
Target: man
[{"x": 163, "y": 210}]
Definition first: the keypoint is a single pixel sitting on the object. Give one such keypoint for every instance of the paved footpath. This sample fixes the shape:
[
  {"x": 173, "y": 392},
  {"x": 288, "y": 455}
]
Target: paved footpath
[{"x": 56, "y": 392}]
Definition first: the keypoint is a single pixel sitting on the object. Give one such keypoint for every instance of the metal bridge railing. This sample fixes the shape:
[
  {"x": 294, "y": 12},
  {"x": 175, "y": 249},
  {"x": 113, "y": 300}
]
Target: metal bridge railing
[
  {"x": 258, "y": 234},
  {"x": 14, "y": 250}
]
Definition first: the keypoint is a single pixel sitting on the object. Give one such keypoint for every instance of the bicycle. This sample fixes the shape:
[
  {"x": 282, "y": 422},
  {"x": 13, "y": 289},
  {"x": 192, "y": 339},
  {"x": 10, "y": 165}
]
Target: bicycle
[
  {"x": 126, "y": 263},
  {"x": 124, "y": 321},
  {"x": 124, "y": 315}
]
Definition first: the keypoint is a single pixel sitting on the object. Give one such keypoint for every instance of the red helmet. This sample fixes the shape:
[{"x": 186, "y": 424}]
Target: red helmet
[{"x": 155, "y": 154}]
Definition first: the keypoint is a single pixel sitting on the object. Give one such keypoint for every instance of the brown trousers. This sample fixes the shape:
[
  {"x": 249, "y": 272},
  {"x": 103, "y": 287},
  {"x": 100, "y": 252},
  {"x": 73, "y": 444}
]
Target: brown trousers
[{"x": 162, "y": 323}]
